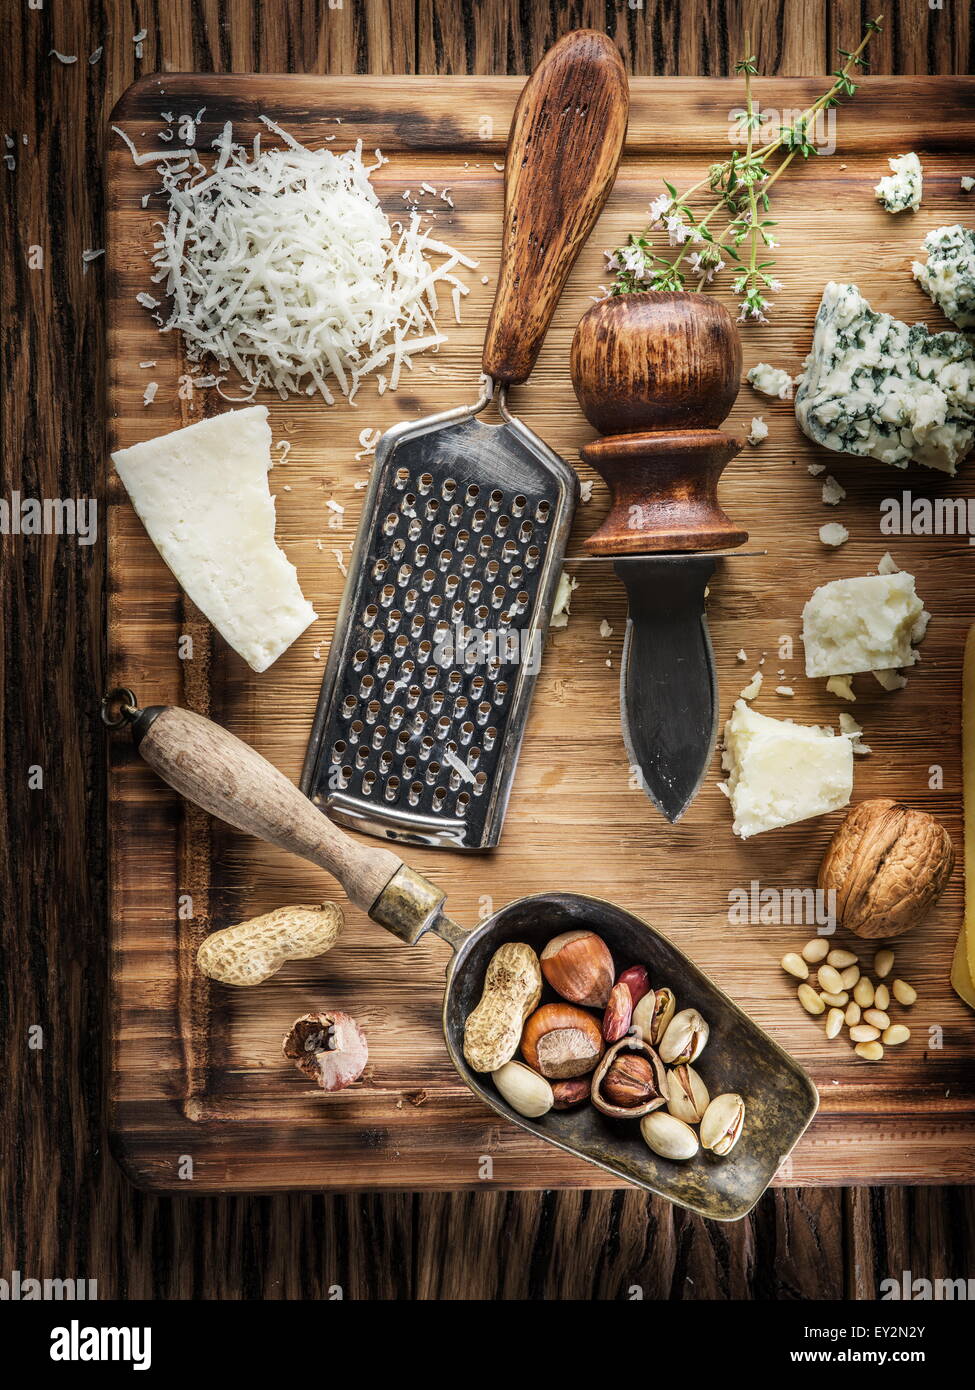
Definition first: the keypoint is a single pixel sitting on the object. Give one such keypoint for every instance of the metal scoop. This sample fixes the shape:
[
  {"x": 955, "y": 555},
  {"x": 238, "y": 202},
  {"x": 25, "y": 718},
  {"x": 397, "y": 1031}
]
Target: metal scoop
[
  {"x": 459, "y": 551},
  {"x": 225, "y": 776}
]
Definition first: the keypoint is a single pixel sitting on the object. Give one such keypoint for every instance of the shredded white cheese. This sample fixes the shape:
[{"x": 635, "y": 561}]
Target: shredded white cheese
[{"x": 281, "y": 264}]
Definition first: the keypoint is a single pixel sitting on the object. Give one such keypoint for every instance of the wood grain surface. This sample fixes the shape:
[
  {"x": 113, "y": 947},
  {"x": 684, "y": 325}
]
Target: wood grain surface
[{"x": 64, "y": 1208}]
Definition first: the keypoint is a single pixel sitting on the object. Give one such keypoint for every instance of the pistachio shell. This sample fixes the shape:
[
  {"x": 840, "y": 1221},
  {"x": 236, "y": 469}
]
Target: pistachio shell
[
  {"x": 685, "y": 1038},
  {"x": 687, "y": 1095},
  {"x": 523, "y": 1089},
  {"x": 668, "y": 1136},
  {"x": 722, "y": 1123}
]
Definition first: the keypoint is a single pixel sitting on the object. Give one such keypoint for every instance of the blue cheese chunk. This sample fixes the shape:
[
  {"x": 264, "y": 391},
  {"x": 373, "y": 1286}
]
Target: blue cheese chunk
[
  {"x": 771, "y": 381},
  {"x": 900, "y": 190},
  {"x": 884, "y": 389},
  {"x": 202, "y": 494},
  {"x": 781, "y": 772},
  {"x": 949, "y": 276}
]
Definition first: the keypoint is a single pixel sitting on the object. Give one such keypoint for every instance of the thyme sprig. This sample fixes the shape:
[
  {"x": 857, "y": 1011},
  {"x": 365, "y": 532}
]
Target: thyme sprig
[{"x": 740, "y": 187}]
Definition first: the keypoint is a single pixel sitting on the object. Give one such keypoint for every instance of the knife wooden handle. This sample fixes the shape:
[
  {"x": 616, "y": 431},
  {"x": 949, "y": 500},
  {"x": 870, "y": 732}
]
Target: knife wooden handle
[
  {"x": 230, "y": 779},
  {"x": 563, "y": 151}
]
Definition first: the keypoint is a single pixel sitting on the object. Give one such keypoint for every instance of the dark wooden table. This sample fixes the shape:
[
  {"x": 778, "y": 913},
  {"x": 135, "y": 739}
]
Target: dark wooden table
[{"x": 64, "y": 1208}]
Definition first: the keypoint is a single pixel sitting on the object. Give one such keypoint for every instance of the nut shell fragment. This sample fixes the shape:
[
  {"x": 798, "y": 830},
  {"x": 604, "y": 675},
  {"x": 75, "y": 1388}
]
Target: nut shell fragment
[
  {"x": 657, "y": 1090},
  {"x": 887, "y": 865},
  {"x": 329, "y": 1048},
  {"x": 722, "y": 1123}
]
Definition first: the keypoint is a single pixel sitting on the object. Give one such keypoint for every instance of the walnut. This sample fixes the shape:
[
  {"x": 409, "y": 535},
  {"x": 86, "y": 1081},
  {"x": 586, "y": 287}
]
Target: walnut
[{"x": 887, "y": 865}]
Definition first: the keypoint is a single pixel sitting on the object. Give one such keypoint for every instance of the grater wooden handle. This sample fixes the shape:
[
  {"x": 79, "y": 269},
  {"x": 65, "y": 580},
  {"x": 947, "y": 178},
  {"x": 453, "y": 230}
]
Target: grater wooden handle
[
  {"x": 563, "y": 150},
  {"x": 231, "y": 780}
]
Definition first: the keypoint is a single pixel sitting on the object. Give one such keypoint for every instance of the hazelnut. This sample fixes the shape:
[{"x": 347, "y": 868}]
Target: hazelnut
[
  {"x": 561, "y": 1041},
  {"x": 887, "y": 865},
  {"x": 629, "y": 1081},
  {"x": 572, "y": 1092},
  {"x": 578, "y": 965}
]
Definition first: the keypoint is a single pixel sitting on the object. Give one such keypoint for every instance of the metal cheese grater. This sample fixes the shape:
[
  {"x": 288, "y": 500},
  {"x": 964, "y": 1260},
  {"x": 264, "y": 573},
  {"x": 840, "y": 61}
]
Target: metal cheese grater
[{"x": 464, "y": 529}]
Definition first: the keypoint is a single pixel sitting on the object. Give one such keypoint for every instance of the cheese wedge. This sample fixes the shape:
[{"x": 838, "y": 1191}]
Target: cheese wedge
[
  {"x": 202, "y": 494},
  {"x": 963, "y": 966}
]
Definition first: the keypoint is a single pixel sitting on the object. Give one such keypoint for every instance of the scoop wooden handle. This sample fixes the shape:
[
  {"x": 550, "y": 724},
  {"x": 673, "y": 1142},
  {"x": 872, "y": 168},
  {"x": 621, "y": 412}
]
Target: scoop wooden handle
[
  {"x": 231, "y": 780},
  {"x": 563, "y": 150}
]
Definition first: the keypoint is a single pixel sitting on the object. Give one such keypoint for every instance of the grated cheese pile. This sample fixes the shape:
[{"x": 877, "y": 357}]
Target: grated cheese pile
[{"x": 282, "y": 264}]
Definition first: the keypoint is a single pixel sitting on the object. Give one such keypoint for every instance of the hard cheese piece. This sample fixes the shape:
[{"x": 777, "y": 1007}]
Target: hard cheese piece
[
  {"x": 963, "y": 966},
  {"x": 202, "y": 495},
  {"x": 884, "y": 389},
  {"x": 949, "y": 276},
  {"x": 782, "y": 772},
  {"x": 863, "y": 624}
]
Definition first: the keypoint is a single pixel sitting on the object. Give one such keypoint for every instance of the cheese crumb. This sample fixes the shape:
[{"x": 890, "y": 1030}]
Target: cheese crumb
[
  {"x": 742, "y": 655},
  {"x": 900, "y": 190},
  {"x": 759, "y": 431},
  {"x": 887, "y": 564},
  {"x": 604, "y": 629},
  {"x": 833, "y": 534},
  {"x": 771, "y": 381},
  {"x": 816, "y": 468},
  {"x": 563, "y": 598},
  {"x": 149, "y": 394},
  {"x": 841, "y": 686},
  {"x": 890, "y": 680},
  {"x": 784, "y": 690},
  {"x": 967, "y": 183},
  {"x": 833, "y": 492},
  {"x": 853, "y": 732},
  {"x": 585, "y": 490},
  {"x": 753, "y": 687}
]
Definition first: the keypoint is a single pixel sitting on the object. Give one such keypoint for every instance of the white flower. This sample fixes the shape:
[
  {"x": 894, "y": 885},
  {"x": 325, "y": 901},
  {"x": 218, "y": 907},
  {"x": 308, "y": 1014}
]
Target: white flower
[
  {"x": 770, "y": 243},
  {"x": 659, "y": 207},
  {"x": 708, "y": 270},
  {"x": 776, "y": 285},
  {"x": 677, "y": 230},
  {"x": 634, "y": 260}
]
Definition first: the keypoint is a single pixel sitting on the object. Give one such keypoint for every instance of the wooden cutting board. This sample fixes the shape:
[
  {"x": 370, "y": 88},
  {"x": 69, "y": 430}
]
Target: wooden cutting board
[{"x": 201, "y": 1097}]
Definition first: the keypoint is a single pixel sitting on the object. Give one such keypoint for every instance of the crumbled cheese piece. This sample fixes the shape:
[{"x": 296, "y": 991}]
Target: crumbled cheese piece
[
  {"x": 841, "y": 686},
  {"x": 91, "y": 255},
  {"x": 771, "y": 381},
  {"x": 335, "y": 506},
  {"x": 877, "y": 387},
  {"x": 150, "y": 363},
  {"x": 604, "y": 629},
  {"x": 833, "y": 492},
  {"x": 585, "y": 490},
  {"x": 285, "y": 446},
  {"x": 887, "y": 564},
  {"x": 368, "y": 439},
  {"x": 900, "y": 190},
  {"x": 284, "y": 266},
  {"x": 816, "y": 468},
  {"x": 862, "y": 624},
  {"x": 753, "y": 687},
  {"x": 340, "y": 561},
  {"x": 65, "y": 58},
  {"x": 890, "y": 680},
  {"x": 147, "y": 301},
  {"x": 202, "y": 495},
  {"x": 833, "y": 534},
  {"x": 462, "y": 770},
  {"x": 949, "y": 276},
  {"x": 784, "y": 690},
  {"x": 742, "y": 655},
  {"x": 967, "y": 183},
  {"x": 563, "y": 598},
  {"x": 149, "y": 394},
  {"x": 782, "y": 772},
  {"x": 759, "y": 431},
  {"x": 853, "y": 731}
]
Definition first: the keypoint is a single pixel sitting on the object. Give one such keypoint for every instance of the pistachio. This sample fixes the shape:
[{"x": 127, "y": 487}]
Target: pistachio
[
  {"x": 863, "y": 992},
  {"x": 685, "y": 1038},
  {"x": 668, "y": 1136},
  {"x": 869, "y": 1051},
  {"x": 834, "y": 1022},
  {"x": 810, "y": 1000},
  {"x": 830, "y": 980},
  {"x": 795, "y": 965},
  {"x": 896, "y": 1034},
  {"x": 864, "y": 1032},
  {"x": 853, "y": 1013},
  {"x": 877, "y": 1017},
  {"x": 687, "y": 1095},
  {"x": 883, "y": 964},
  {"x": 835, "y": 1001},
  {"x": 722, "y": 1122},
  {"x": 841, "y": 959},
  {"x": 849, "y": 976},
  {"x": 653, "y": 1013},
  {"x": 815, "y": 950},
  {"x": 881, "y": 997},
  {"x": 903, "y": 992},
  {"x": 523, "y": 1089}
]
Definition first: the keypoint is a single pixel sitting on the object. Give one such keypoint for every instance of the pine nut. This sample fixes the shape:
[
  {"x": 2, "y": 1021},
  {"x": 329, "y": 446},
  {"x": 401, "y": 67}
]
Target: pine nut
[
  {"x": 830, "y": 980},
  {"x": 810, "y": 1000},
  {"x": 852, "y": 1014},
  {"x": 877, "y": 1017},
  {"x": 863, "y": 992},
  {"x": 864, "y": 1033},
  {"x": 795, "y": 965},
  {"x": 841, "y": 959},
  {"x": 815, "y": 950},
  {"x": 834, "y": 1022},
  {"x": 849, "y": 976},
  {"x": 869, "y": 1051},
  {"x": 835, "y": 1001},
  {"x": 881, "y": 998},
  {"x": 903, "y": 992},
  {"x": 883, "y": 964},
  {"x": 897, "y": 1033}
]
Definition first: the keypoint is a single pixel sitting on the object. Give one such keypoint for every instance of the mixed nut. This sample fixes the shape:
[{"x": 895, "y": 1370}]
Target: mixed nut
[
  {"x": 849, "y": 998},
  {"x": 611, "y": 1039}
]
